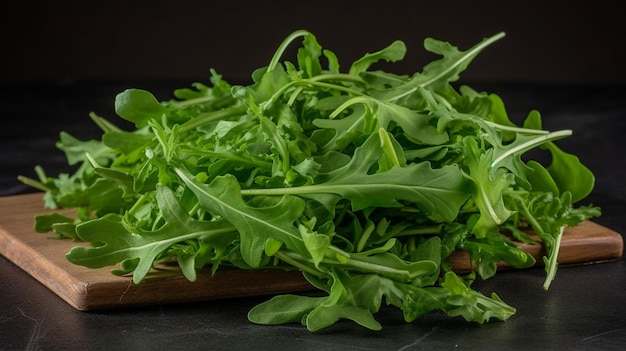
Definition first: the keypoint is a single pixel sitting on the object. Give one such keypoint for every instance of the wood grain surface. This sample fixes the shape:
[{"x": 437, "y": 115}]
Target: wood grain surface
[{"x": 85, "y": 289}]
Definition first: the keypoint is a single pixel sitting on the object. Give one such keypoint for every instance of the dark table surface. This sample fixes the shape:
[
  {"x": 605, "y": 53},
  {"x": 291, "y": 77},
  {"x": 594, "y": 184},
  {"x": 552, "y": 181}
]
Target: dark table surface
[{"x": 585, "y": 308}]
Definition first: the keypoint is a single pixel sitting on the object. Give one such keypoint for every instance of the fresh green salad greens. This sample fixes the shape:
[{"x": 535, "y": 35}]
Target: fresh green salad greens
[{"x": 363, "y": 180}]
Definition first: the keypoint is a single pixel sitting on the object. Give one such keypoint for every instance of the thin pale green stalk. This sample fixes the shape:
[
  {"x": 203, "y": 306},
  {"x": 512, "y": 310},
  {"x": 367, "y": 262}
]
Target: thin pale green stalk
[
  {"x": 531, "y": 144},
  {"x": 283, "y": 46}
]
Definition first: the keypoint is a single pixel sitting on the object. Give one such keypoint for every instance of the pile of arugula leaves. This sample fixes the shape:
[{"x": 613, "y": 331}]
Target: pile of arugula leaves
[{"x": 365, "y": 181}]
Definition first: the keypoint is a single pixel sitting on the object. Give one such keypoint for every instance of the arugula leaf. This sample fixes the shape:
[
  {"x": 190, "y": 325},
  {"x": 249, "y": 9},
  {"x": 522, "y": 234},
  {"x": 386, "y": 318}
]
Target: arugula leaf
[
  {"x": 454, "y": 61},
  {"x": 489, "y": 188},
  {"x": 57, "y": 223},
  {"x": 138, "y": 106},
  {"x": 441, "y": 192},
  {"x": 472, "y": 305},
  {"x": 416, "y": 126},
  {"x": 283, "y": 309},
  {"x": 115, "y": 242},
  {"x": 222, "y": 197},
  {"x": 570, "y": 174},
  {"x": 392, "y": 53},
  {"x": 76, "y": 150}
]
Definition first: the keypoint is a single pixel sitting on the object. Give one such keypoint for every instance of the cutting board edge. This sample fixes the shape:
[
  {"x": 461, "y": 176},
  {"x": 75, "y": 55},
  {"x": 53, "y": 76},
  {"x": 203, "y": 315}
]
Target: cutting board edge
[
  {"x": 153, "y": 291},
  {"x": 73, "y": 291}
]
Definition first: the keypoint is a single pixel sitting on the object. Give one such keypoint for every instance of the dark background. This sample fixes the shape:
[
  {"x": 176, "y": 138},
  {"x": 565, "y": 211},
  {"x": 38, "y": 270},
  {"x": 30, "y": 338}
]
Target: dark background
[
  {"x": 547, "y": 41},
  {"x": 62, "y": 60}
]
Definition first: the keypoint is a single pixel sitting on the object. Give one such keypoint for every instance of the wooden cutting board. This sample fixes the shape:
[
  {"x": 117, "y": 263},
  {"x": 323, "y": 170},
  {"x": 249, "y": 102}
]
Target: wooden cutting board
[{"x": 86, "y": 289}]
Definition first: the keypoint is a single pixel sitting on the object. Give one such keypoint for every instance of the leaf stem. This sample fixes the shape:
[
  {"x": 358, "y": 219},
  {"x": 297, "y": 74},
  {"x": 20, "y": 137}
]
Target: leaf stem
[
  {"x": 283, "y": 46},
  {"x": 103, "y": 124},
  {"x": 355, "y": 100},
  {"x": 490, "y": 209},
  {"x": 552, "y": 264},
  {"x": 209, "y": 117},
  {"x": 532, "y": 143},
  {"x": 196, "y": 101},
  {"x": 363, "y": 265},
  {"x": 425, "y": 230},
  {"x": 287, "y": 257},
  {"x": 552, "y": 250},
  {"x": 366, "y": 235},
  {"x": 228, "y": 156},
  {"x": 311, "y": 82},
  {"x": 516, "y": 129},
  {"x": 142, "y": 199},
  {"x": 32, "y": 183},
  {"x": 387, "y": 146},
  {"x": 337, "y": 77}
]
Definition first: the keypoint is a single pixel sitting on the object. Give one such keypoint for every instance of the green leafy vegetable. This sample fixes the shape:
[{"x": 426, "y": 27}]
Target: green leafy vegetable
[{"x": 365, "y": 181}]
